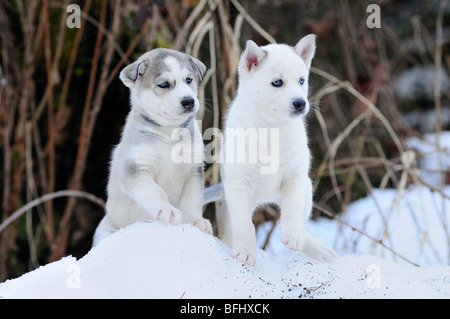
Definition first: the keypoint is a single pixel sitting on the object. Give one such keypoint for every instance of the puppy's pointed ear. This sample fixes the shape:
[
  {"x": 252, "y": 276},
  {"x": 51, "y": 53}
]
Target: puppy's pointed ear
[
  {"x": 306, "y": 48},
  {"x": 132, "y": 72},
  {"x": 253, "y": 55},
  {"x": 200, "y": 68}
]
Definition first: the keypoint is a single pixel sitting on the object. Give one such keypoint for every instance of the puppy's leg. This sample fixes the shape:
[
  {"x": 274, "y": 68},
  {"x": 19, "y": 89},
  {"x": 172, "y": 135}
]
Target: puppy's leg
[
  {"x": 297, "y": 238},
  {"x": 242, "y": 230},
  {"x": 104, "y": 229},
  {"x": 223, "y": 223},
  {"x": 295, "y": 209},
  {"x": 151, "y": 197},
  {"x": 317, "y": 250},
  {"x": 312, "y": 247},
  {"x": 191, "y": 203}
]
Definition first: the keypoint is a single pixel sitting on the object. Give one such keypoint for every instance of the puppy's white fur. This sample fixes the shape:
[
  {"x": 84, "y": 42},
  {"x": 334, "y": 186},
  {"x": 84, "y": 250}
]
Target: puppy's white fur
[
  {"x": 144, "y": 182},
  {"x": 272, "y": 93}
]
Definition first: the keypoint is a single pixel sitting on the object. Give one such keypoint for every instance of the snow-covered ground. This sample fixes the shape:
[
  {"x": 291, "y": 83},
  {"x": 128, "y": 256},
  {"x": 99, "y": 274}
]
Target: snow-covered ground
[{"x": 153, "y": 260}]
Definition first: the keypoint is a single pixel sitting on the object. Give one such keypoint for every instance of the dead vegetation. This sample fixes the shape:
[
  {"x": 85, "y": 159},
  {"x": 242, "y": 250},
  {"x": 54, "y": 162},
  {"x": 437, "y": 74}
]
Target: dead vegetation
[{"x": 56, "y": 116}]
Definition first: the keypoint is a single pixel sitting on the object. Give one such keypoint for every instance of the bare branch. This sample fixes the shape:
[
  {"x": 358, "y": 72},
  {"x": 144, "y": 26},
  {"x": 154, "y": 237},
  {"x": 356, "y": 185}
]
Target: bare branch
[{"x": 47, "y": 197}]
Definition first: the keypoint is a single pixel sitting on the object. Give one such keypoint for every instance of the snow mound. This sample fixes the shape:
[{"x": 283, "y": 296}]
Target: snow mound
[{"x": 154, "y": 260}]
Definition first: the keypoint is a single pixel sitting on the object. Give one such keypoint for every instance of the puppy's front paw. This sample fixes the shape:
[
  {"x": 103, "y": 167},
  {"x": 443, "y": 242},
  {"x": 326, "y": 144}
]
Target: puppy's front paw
[
  {"x": 168, "y": 214},
  {"x": 319, "y": 251},
  {"x": 204, "y": 225},
  {"x": 293, "y": 239},
  {"x": 244, "y": 256}
]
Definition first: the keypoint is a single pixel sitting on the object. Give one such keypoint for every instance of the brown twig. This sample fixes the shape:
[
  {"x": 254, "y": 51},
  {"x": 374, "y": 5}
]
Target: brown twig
[
  {"x": 72, "y": 59},
  {"x": 50, "y": 119},
  {"x": 378, "y": 241},
  {"x": 59, "y": 246},
  {"x": 47, "y": 197},
  {"x": 91, "y": 110}
]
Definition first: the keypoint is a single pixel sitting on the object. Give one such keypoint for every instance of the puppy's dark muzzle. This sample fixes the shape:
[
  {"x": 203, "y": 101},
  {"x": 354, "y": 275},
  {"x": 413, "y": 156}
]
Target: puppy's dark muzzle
[{"x": 188, "y": 104}]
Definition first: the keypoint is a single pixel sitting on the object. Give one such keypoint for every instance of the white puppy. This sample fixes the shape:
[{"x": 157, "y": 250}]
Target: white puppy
[
  {"x": 272, "y": 94},
  {"x": 144, "y": 182}
]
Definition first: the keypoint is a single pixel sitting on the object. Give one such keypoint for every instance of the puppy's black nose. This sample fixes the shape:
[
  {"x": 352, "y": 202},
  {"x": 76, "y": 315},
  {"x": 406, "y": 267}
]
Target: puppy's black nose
[
  {"x": 188, "y": 103},
  {"x": 299, "y": 105}
]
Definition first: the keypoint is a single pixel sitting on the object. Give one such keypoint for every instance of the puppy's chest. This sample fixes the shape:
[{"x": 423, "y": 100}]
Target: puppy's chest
[
  {"x": 267, "y": 187},
  {"x": 160, "y": 160}
]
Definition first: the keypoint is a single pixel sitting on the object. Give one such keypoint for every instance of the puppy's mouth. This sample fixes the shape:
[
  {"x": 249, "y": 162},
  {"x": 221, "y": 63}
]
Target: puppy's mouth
[
  {"x": 187, "y": 111},
  {"x": 180, "y": 116},
  {"x": 296, "y": 112}
]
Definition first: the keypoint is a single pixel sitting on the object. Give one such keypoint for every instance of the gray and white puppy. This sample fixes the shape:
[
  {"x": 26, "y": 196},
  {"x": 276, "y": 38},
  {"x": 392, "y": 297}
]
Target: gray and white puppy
[{"x": 145, "y": 183}]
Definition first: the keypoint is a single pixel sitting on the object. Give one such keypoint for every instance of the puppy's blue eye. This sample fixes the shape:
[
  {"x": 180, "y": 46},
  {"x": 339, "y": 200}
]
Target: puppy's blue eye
[
  {"x": 302, "y": 81},
  {"x": 188, "y": 80},
  {"x": 277, "y": 83},
  {"x": 164, "y": 85}
]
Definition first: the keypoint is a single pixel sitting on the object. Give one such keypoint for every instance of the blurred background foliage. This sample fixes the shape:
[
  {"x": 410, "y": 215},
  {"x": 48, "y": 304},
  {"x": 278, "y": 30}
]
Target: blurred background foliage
[{"x": 62, "y": 106}]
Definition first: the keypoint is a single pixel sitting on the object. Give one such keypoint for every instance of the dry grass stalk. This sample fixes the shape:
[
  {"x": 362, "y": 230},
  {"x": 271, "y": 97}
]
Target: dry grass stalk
[{"x": 349, "y": 161}]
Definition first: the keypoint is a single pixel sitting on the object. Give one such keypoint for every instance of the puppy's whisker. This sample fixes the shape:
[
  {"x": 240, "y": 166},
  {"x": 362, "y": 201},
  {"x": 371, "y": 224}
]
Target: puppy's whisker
[
  {"x": 313, "y": 108},
  {"x": 208, "y": 107}
]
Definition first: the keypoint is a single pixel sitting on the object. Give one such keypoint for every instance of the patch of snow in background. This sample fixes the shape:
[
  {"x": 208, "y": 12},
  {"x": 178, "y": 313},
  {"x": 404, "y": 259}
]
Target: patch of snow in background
[
  {"x": 415, "y": 226},
  {"x": 431, "y": 156},
  {"x": 415, "y": 223},
  {"x": 425, "y": 121},
  {"x": 417, "y": 83}
]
